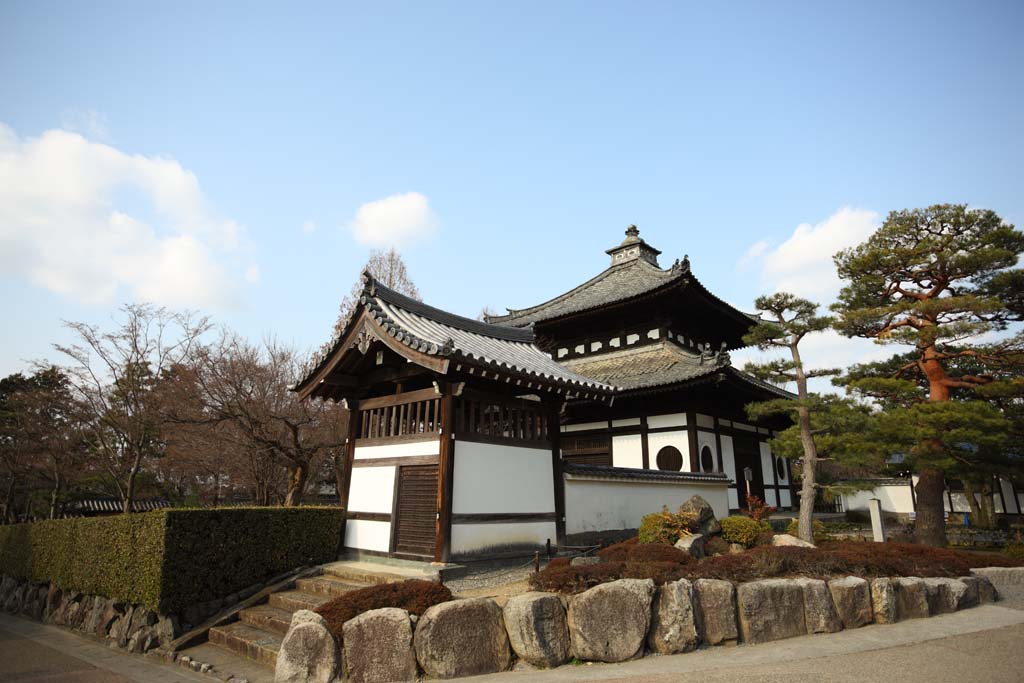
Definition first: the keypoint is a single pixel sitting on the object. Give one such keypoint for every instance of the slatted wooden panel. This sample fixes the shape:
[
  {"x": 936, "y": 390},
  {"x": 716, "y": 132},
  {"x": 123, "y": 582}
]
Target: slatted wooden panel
[
  {"x": 417, "y": 509},
  {"x": 587, "y": 450}
]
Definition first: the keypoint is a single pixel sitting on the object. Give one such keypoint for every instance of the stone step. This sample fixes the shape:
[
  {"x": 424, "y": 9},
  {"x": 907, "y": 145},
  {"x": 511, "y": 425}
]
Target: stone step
[
  {"x": 296, "y": 600},
  {"x": 273, "y": 619},
  {"x": 330, "y": 586},
  {"x": 252, "y": 643},
  {"x": 361, "y": 572}
]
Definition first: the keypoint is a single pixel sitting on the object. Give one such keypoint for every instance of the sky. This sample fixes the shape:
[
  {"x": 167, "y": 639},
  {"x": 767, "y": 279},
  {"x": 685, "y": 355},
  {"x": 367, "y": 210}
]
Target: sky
[{"x": 242, "y": 159}]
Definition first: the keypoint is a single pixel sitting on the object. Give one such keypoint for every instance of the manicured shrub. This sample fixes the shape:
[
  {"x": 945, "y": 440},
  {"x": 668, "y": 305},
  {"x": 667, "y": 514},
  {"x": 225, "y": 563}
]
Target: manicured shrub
[
  {"x": 170, "y": 559},
  {"x": 1015, "y": 551},
  {"x": 742, "y": 530},
  {"x": 631, "y": 550},
  {"x": 414, "y": 595},
  {"x": 716, "y": 545},
  {"x": 759, "y": 510},
  {"x": 559, "y": 562},
  {"x": 763, "y": 538},
  {"x": 577, "y": 579},
  {"x": 817, "y": 528},
  {"x": 667, "y": 527}
]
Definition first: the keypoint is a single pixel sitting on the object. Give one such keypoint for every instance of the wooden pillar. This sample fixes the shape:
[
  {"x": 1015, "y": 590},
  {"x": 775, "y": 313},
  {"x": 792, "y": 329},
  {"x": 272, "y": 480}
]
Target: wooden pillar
[
  {"x": 445, "y": 480},
  {"x": 558, "y": 479},
  {"x": 644, "y": 446},
  {"x": 691, "y": 432},
  {"x": 350, "y": 456},
  {"x": 720, "y": 459}
]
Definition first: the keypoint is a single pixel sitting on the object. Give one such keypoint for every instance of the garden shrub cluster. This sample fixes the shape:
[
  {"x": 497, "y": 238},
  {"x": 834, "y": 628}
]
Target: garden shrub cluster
[
  {"x": 667, "y": 527},
  {"x": 743, "y": 530},
  {"x": 170, "y": 559},
  {"x": 632, "y": 550},
  {"x": 818, "y": 529},
  {"x": 414, "y": 595},
  {"x": 1015, "y": 551}
]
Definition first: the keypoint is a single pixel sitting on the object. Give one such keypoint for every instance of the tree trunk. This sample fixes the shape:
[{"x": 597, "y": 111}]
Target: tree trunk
[
  {"x": 977, "y": 512},
  {"x": 129, "y": 492},
  {"x": 55, "y": 494},
  {"x": 808, "y": 478},
  {"x": 297, "y": 474},
  {"x": 988, "y": 506},
  {"x": 930, "y": 526},
  {"x": 339, "y": 472}
]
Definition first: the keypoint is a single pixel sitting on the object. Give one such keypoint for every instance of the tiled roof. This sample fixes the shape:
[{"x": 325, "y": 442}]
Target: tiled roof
[
  {"x": 644, "y": 366},
  {"x": 435, "y": 332},
  {"x": 604, "y": 472}
]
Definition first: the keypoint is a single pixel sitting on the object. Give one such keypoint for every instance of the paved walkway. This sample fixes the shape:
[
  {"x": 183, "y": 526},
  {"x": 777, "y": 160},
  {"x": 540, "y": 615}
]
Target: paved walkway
[{"x": 34, "y": 652}]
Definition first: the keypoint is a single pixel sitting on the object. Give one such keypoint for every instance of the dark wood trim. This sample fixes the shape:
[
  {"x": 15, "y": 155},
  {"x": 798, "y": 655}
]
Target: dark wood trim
[
  {"x": 775, "y": 474},
  {"x": 370, "y": 516},
  {"x": 350, "y": 453},
  {"x": 720, "y": 459},
  {"x": 399, "y": 399},
  {"x": 398, "y": 462},
  {"x": 913, "y": 491},
  {"x": 404, "y": 438},
  {"x": 445, "y": 480},
  {"x": 501, "y": 441},
  {"x": 558, "y": 479},
  {"x": 645, "y": 449},
  {"x": 1016, "y": 497},
  {"x": 504, "y": 517},
  {"x": 691, "y": 433},
  {"x": 393, "y": 537}
]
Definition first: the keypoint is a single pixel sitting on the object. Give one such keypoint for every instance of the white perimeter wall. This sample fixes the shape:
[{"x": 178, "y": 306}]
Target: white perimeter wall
[
  {"x": 372, "y": 490},
  {"x": 894, "y": 498},
  {"x": 607, "y": 505}
]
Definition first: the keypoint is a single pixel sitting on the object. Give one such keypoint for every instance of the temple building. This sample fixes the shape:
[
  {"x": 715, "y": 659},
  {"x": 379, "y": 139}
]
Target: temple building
[{"x": 551, "y": 425}]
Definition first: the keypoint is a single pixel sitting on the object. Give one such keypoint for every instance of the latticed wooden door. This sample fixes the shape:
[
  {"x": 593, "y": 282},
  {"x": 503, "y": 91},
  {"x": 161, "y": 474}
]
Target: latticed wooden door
[{"x": 417, "y": 510}]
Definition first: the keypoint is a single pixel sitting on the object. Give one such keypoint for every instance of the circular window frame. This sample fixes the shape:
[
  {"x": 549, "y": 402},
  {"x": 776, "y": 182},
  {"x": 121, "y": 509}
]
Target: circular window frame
[
  {"x": 707, "y": 465},
  {"x": 665, "y": 465}
]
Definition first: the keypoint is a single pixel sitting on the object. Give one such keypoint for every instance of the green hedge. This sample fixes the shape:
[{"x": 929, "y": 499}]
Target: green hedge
[{"x": 170, "y": 559}]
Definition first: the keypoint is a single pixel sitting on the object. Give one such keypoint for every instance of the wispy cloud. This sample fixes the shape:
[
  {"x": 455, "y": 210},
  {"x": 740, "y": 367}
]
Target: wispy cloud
[
  {"x": 397, "y": 221},
  {"x": 308, "y": 227}
]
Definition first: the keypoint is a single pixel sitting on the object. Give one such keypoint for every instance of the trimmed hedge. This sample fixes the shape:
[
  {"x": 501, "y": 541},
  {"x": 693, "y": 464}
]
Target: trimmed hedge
[{"x": 170, "y": 559}]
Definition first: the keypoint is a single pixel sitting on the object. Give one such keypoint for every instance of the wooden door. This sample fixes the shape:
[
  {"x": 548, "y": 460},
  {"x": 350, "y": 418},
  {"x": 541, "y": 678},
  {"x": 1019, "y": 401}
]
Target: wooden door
[
  {"x": 416, "y": 508},
  {"x": 748, "y": 454}
]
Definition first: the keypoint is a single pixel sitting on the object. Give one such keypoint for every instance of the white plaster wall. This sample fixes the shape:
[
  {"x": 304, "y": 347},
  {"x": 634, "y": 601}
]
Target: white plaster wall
[
  {"x": 372, "y": 489},
  {"x": 367, "y": 535},
  {"x": 706, "y": 439},
  {"x": 785, "y": 499},
  {"x": 769, "y": 497},
  {"x": 1009, "y": 497},
  {"x": 895, "y": 499},
  {"x": 628, "y": 451},
  {"x": 670, "y": 420},
  {"x": 608, "y": 505},
  {"x": 626, "y": 422},
  {"x": 469, "y": 539},
  {"x": 767, "y": 463},
  {"x": 729, "y": 464},
  {"x": 493, "y": 478},
  {"x": 705, "y": 421},
  {"x": 431, "y": 446},
  {"x": 655, "y": 442}
]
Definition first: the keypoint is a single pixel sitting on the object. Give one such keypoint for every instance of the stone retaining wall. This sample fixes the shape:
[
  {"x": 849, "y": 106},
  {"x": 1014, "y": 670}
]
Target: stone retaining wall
[{"x": 612, "y": 622}]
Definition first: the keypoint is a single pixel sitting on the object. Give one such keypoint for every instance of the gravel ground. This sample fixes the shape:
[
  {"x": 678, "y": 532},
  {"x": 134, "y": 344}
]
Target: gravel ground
[{"x": 499, "y": 583}]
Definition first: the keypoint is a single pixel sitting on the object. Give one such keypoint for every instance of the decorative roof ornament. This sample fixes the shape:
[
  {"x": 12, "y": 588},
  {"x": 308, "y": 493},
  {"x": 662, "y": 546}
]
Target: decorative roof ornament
[
  {"x": 633, "y": 248},
  {"x": 681, "y": 266}
]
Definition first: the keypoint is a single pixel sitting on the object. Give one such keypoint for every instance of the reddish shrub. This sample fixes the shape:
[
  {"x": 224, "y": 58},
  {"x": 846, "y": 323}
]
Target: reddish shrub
[
  {"x": 415, "y": 595},
  {"x": 716, "y": 545},
  {"x": 575, "y": 579},
  {"x": 559, "y": 562},
  {"x": 632, "y": 551},
  {"x": 764, "y": 538}
]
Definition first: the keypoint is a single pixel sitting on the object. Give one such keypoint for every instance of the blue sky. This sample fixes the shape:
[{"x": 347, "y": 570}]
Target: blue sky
[{"x": 243, "y": 158}]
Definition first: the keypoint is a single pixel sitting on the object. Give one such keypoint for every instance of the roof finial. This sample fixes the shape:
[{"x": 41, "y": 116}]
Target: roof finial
[{"x": 632, "y": 231}]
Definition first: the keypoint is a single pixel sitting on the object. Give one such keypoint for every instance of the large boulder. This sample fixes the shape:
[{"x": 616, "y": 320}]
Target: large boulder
[
  {"x": 692, "y": 544},
  {"x": 820, "y": 615},
  {"x": 378, "y": 647},
  {"x": 308, "y": 653},
  {"x": 787, "y": 540},
  {"x": 883, "y": 601},
  {"x": 609, "y": 622},
  {"x": 462, "y": 638},
  {"x": 675, "y": 621},
  {"x": 167, "y": 628},
  {"x": 945, "y": 595},
  {"x": 716, "y": 609},
  {"x": 770, "y": 609},
  {"x": 538, "y": 629},
  {"x": 1001, "y": 576},
  {"x": 911, "y": 598},
  {"x": 986, "y": 592},
  {"x": 708, "y": 524},
  {"x": 852, "y": 598},
  {"x": 112, "y": 611}
]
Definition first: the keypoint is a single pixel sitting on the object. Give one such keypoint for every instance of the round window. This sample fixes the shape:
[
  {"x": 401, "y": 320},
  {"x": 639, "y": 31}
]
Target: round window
[
  {"x": 780, "y": 467},
  {"x": 670, "y": 459},
  {"x": 707, "y": 459}
]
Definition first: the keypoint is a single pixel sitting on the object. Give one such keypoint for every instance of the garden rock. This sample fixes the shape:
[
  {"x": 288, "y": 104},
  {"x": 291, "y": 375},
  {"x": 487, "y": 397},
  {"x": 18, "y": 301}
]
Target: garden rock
[
  {"x": 787, "y": 540},
  {"x": 609, "y": 622},
  {"x": 1001, "y": 576},
  {"x": 708, "y": 524},
  {"x": 692, "y": 544},
  {"x": 736, "y": 549},
  {"x": 820, "y": 613},
  {"x": 945, "y": 595},
  {"x": 308, "y": 654},
  {"x": 883, "y": 601},
  {"x": 111, "y": 612},
  {"x": 986, "y": 591},
  {"x": 583, "y": 561},
  {"x": 911, "y": 598},
  {"x": 167, "y": 628},
  {"x": 675, "y": 622},
  {"x": 378, "y": 646},
  {"x": 770, "y": 609},
  {"x": 462, "y": 638},
  {"x": 716, "y": 610},
  {"x": 852, "y": 598},
  {"x": 538, "y": 629}
]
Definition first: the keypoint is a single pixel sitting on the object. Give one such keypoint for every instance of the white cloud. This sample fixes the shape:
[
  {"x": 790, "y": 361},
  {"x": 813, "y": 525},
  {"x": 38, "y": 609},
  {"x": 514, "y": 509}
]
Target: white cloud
[
  {"x": 397, "y": 220},
  {"x": 753, "y": 253},
  {"x": 88, "y": 122},
  {"x": 95, "y": 224},
  {"x": 308, "y": 227}
]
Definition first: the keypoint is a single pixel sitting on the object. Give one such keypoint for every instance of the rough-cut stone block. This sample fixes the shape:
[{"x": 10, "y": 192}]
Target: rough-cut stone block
[
  {"x": 945, "y": 595},
  {"x": 716, "y": 608},
  {"x": 787, "y": 540},
  {"x": 308, "y": 654},
  {"x": 609, "y": 622},
  {"x": 462, "y": 638},
  {"x": 852, "y": 597},
  {"x": 883, "y": 601},
  {"x": 675, "y": 622},
  {"x": 167, "y": 628},
  {"x": 1001, "y": 576},
  {"x": 538, "y": 629},
  {"x": 911, "y": 598},
  {"x": 986, "y": 591},
  {"x": 770, "y": 609},
  {"x": 820, "y": 615},
  {"x": 708, "y": 524},
  {"x": 692, "y": 544},
  {"x": 378, "y": 647},
  {"x": 112, "y": 611}
]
